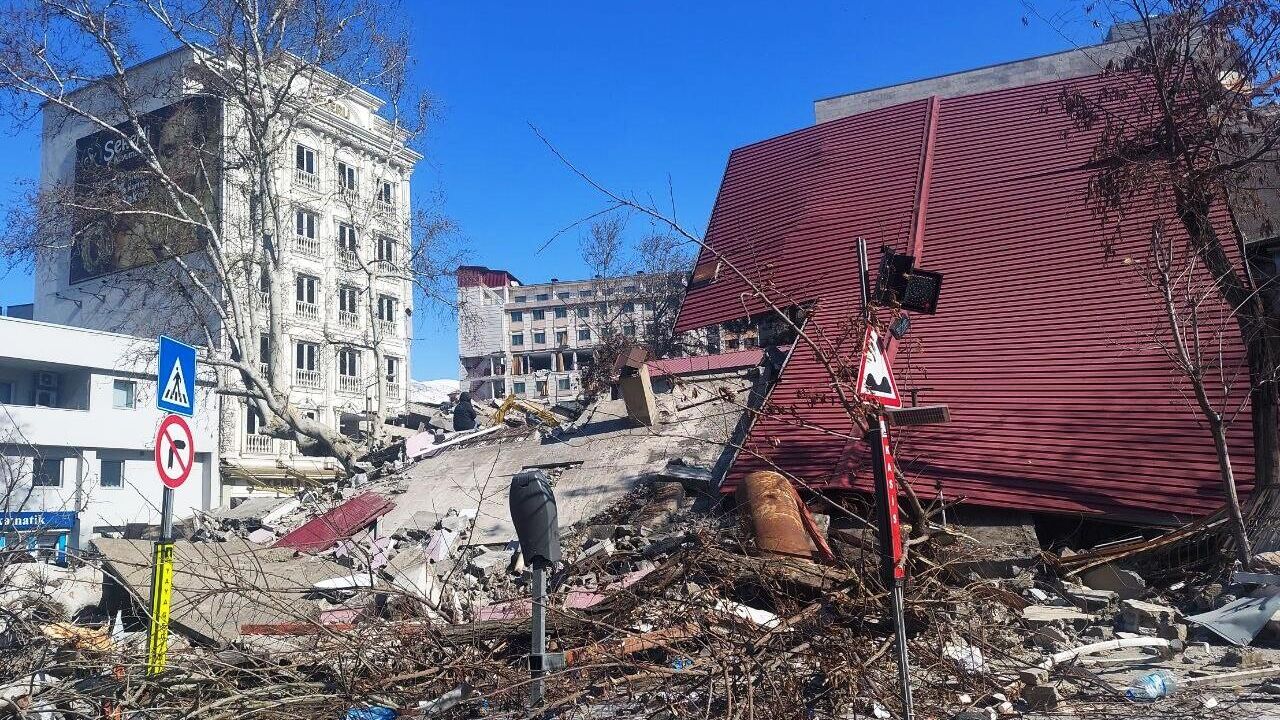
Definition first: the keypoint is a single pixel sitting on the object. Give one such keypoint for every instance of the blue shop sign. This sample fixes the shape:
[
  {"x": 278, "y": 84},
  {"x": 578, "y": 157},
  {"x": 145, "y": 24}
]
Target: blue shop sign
[{"x": 39, "y": 520}]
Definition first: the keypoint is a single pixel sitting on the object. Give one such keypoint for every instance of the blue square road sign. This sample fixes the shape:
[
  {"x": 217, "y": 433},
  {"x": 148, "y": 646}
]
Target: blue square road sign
[{"x": 176, "y": 377}]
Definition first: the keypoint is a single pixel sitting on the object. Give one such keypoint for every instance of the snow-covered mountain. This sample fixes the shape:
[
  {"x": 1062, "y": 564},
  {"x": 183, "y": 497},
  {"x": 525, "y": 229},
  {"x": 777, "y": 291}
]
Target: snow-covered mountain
[{"x": 432, "y": 392}]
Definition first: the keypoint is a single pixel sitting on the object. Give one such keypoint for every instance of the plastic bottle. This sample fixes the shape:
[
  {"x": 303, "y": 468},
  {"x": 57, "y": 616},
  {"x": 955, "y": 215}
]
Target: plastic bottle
[{"x": 1152, "y": 685}]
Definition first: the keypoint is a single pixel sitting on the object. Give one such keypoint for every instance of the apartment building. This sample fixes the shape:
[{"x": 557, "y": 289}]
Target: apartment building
[
  {"x": 534, "y": 340},
  {"x": 340, "y": 295},
  {"x": 78, "y": 422}
]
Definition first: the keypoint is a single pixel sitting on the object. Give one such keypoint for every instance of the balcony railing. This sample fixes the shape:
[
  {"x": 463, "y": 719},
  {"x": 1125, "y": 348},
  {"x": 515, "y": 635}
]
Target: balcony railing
[
  {"x": 302, "y": 178},
  {"x": 347, "y": 258},
  {"x": 393, "y": 391},
  {"x": 308, "y": 246},
  {"x": 349, "y": 194},
  {"x": 350, "y": 384},
  {"x": 349, "y": 320},
  {"x": 265, "y": 369},
  {"x": 306, "y": 310},
  {"x": 306, "y": 378},
  {"x": 257, "y": 444},
  {"x": 384, "y": 206},
  {"x": 387, "y": 327},
  {"x": 264, "y": 297}
]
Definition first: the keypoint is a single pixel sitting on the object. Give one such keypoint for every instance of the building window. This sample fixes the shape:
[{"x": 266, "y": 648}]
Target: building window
[
  {"x": 522, "y": 298},
  {"x": 648, "y": 306},
  {"x": 563, "y": 383},
  {"x": 543, "y": 296},
  {"x": 517, "y": 316},
  {"x": 305, "y": 159},
  {"x": 584, "y": 334},
  {"x": 629, "y": 330},
  {"x": 562, "y": 337},
  {"x": 386, "y": 248},
  {"x": 386, "y": 307},
  {"x": 539, "y": 314},
  {"x": 517, "y": 339},
  {"x": 346, "y": 238},
  {"x": 393, "y": 370},
  {"x": 731, "y": 344},
  {"x": 264, "y": 352},
  {"x": 252, "y": 420},
  {"x": 586, "y": 293},
  {"x": 584, "y": 312},
  {"x": 306, "y": 287},
  {"x": 563, "y": 295},
  {"x": 346, "y": 177},
  {"x": 112, "y": 474},
  {"x": 124, "y": 394},
  {"x": 386, "y": 192},
  {"x": 46, "y": 472},
  {"x": 347, "y": 296},
  {"x": 305, "y": 223},
  {"x": 629, "y": 289},
  {"x": 539, "y": 337},
  {"x": 307, "y": 356},
  {"x": 517, "y": 388},
  {"x": 348, "y": 362},
  {"x": 749, "y": 342},
  {"x": 628, "y": 306},
  {"x": 561, "y": 313}
]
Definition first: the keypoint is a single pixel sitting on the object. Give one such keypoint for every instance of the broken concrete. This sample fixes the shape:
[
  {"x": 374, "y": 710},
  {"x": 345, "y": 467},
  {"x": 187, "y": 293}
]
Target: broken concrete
[{"x": 1126, "y": 584}]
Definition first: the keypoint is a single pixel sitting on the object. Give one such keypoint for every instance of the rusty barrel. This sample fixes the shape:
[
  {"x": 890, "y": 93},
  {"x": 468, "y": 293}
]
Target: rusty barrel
[{"x": 775, "y": 516}]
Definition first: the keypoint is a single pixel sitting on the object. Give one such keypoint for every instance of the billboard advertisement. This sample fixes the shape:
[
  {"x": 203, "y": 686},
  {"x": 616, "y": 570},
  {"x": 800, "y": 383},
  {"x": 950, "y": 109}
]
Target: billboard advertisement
[{"x": 120, "y": 200}]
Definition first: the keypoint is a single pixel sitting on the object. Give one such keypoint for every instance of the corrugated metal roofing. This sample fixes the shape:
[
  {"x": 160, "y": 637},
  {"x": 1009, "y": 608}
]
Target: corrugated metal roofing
[
  {"x": 342, "y": 522},
  {"x": 1057, "y": 403},
  {"x": 705, "y": 363}
]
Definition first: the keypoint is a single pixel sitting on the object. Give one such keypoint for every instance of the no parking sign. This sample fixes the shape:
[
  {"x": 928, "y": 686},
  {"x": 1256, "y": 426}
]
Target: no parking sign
[{"x": 175, "y": 451}]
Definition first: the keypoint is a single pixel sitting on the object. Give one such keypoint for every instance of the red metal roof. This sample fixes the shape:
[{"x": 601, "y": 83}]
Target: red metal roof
[
  {"x": 1057, "y": 404},
  {"x": 320, "y": 533},
  {"x": 705, "y": 363},
  {"x": 474, "y": 275}
]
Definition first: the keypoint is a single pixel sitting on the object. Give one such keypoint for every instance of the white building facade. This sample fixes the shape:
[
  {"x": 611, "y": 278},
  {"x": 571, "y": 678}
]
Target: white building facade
[
  {"x": 533, "y": 341},
  {"x": 78, "y": 422},
  {"x": 343, "y": 318}
]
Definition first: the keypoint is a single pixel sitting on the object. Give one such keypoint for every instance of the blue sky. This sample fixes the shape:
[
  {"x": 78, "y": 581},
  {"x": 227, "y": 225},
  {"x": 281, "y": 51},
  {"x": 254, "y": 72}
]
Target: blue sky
[{"x": 636, "y": 93}]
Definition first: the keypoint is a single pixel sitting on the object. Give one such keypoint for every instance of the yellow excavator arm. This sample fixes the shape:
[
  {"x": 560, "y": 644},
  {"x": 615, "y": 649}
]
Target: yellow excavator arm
[{"x": 526, "y": 407}]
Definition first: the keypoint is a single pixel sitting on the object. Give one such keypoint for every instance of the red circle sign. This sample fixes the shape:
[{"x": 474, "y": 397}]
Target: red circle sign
[{"x": 175, "y": 451}]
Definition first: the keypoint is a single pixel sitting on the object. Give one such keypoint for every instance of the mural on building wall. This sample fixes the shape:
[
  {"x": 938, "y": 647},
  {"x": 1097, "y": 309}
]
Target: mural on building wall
[{"x": 115, "y": 186}]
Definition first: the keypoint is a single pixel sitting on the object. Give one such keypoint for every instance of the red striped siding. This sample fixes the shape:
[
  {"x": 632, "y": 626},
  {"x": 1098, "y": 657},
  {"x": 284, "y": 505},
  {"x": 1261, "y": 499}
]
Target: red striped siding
[{"x": 1056, "y": 403}]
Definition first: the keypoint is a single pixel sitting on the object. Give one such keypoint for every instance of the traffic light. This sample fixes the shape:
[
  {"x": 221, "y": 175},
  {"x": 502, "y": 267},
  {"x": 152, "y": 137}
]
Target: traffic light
[{"x": 901, "y": 284}]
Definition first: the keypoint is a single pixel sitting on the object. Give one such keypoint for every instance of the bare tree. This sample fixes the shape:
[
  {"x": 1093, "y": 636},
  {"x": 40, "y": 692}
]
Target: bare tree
[
  {"x": 1187, "y": 119},
  {"x": 196, "y": 200},
  {"x": 640, "y": 286}
]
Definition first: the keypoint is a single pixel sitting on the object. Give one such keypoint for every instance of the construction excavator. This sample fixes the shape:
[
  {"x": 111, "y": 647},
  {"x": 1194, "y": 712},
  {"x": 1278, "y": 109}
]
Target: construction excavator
[{"x": 545, "y": 416}]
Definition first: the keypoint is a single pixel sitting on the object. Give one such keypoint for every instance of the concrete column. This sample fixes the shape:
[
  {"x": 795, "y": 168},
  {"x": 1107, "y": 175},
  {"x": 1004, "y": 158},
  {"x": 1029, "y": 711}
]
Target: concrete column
[{"x": 87, "y": 469}]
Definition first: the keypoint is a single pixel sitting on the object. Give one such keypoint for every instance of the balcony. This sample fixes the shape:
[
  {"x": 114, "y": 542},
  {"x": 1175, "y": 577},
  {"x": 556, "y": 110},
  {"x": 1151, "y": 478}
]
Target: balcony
[
  {"x": 255, "y": 444},
  {"x": 387, "y": 327},
  {"x": 349, "y": 194},
  {"x": 308, "y": 246},
  {"x": 264, "y": 298},
  {"x": 393, "y": 390},
  {"x": 306, "y": 378},
  {"x": 304, "y": 179},
  {"x": 347, "y": 259},
  {"x": 306, "y": 310},
  {"x": 382, "y": 205},
  {"x": 350, "y": 385},
  {"x": 265, "y": 369},
  {"x": 349, "y": 320}
]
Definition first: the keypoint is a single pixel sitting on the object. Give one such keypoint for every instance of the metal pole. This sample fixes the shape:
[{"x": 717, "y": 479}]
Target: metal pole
[
  {"x": 886, "y": 487},
  {"x": 538, "y": 645},
  {"x": 161, "y": 588}
]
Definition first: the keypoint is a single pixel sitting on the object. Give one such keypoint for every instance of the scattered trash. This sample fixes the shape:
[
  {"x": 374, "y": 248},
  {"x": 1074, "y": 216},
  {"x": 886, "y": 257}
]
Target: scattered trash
[{"x": 1152, "y": 686}]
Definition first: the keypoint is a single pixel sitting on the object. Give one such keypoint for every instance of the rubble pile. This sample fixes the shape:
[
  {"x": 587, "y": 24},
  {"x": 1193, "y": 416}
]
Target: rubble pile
[{"x": 404, "y": 593}]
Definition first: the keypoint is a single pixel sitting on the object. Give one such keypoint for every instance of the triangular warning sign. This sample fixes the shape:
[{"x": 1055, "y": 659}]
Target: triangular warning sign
[
  {"x": 175, "y": 390},
  {"x": 877, "y": 384}
]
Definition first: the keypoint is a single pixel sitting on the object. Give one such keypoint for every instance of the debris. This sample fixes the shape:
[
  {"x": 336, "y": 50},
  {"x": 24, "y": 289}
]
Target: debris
[
  {"x": 775, "y": 516},
  {"x": 1243, "y": 658},
  {"x": 1042, "y": 697},
  {"x": 1240, "y": 621},
  {"x": 1137, "y": 614},
  {"x": 965, "y": 656},
  {"x": 1126, "y": 584},
  {"x": 430, "y": 708}
]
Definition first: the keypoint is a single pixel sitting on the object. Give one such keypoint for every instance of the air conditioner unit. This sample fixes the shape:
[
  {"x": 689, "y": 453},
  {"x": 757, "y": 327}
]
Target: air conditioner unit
[
  {"x": 46, "y": 398},
  {"x": 47, "y": 380}
]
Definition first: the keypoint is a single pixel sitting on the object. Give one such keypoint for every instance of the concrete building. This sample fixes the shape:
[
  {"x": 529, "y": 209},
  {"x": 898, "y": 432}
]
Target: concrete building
[
  {"x": 534, "y": 340},
  {"x": 78, "y": 423},
  {"x": 344, "y": 178}
]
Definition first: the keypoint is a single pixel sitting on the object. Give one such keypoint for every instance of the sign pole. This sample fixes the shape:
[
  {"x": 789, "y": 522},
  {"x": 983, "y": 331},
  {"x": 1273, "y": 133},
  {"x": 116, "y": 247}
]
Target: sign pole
[
  {"x": 886, "y": 487},
  {"x": 538, "y": 645},
  {"x": 161, "y": 588},
  {"x": 175, "y": 456}
]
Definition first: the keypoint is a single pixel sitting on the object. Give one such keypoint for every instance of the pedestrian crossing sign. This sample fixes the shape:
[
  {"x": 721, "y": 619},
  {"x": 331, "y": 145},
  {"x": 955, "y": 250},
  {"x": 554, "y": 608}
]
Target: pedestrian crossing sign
[{"x": 176, "y": 377}]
